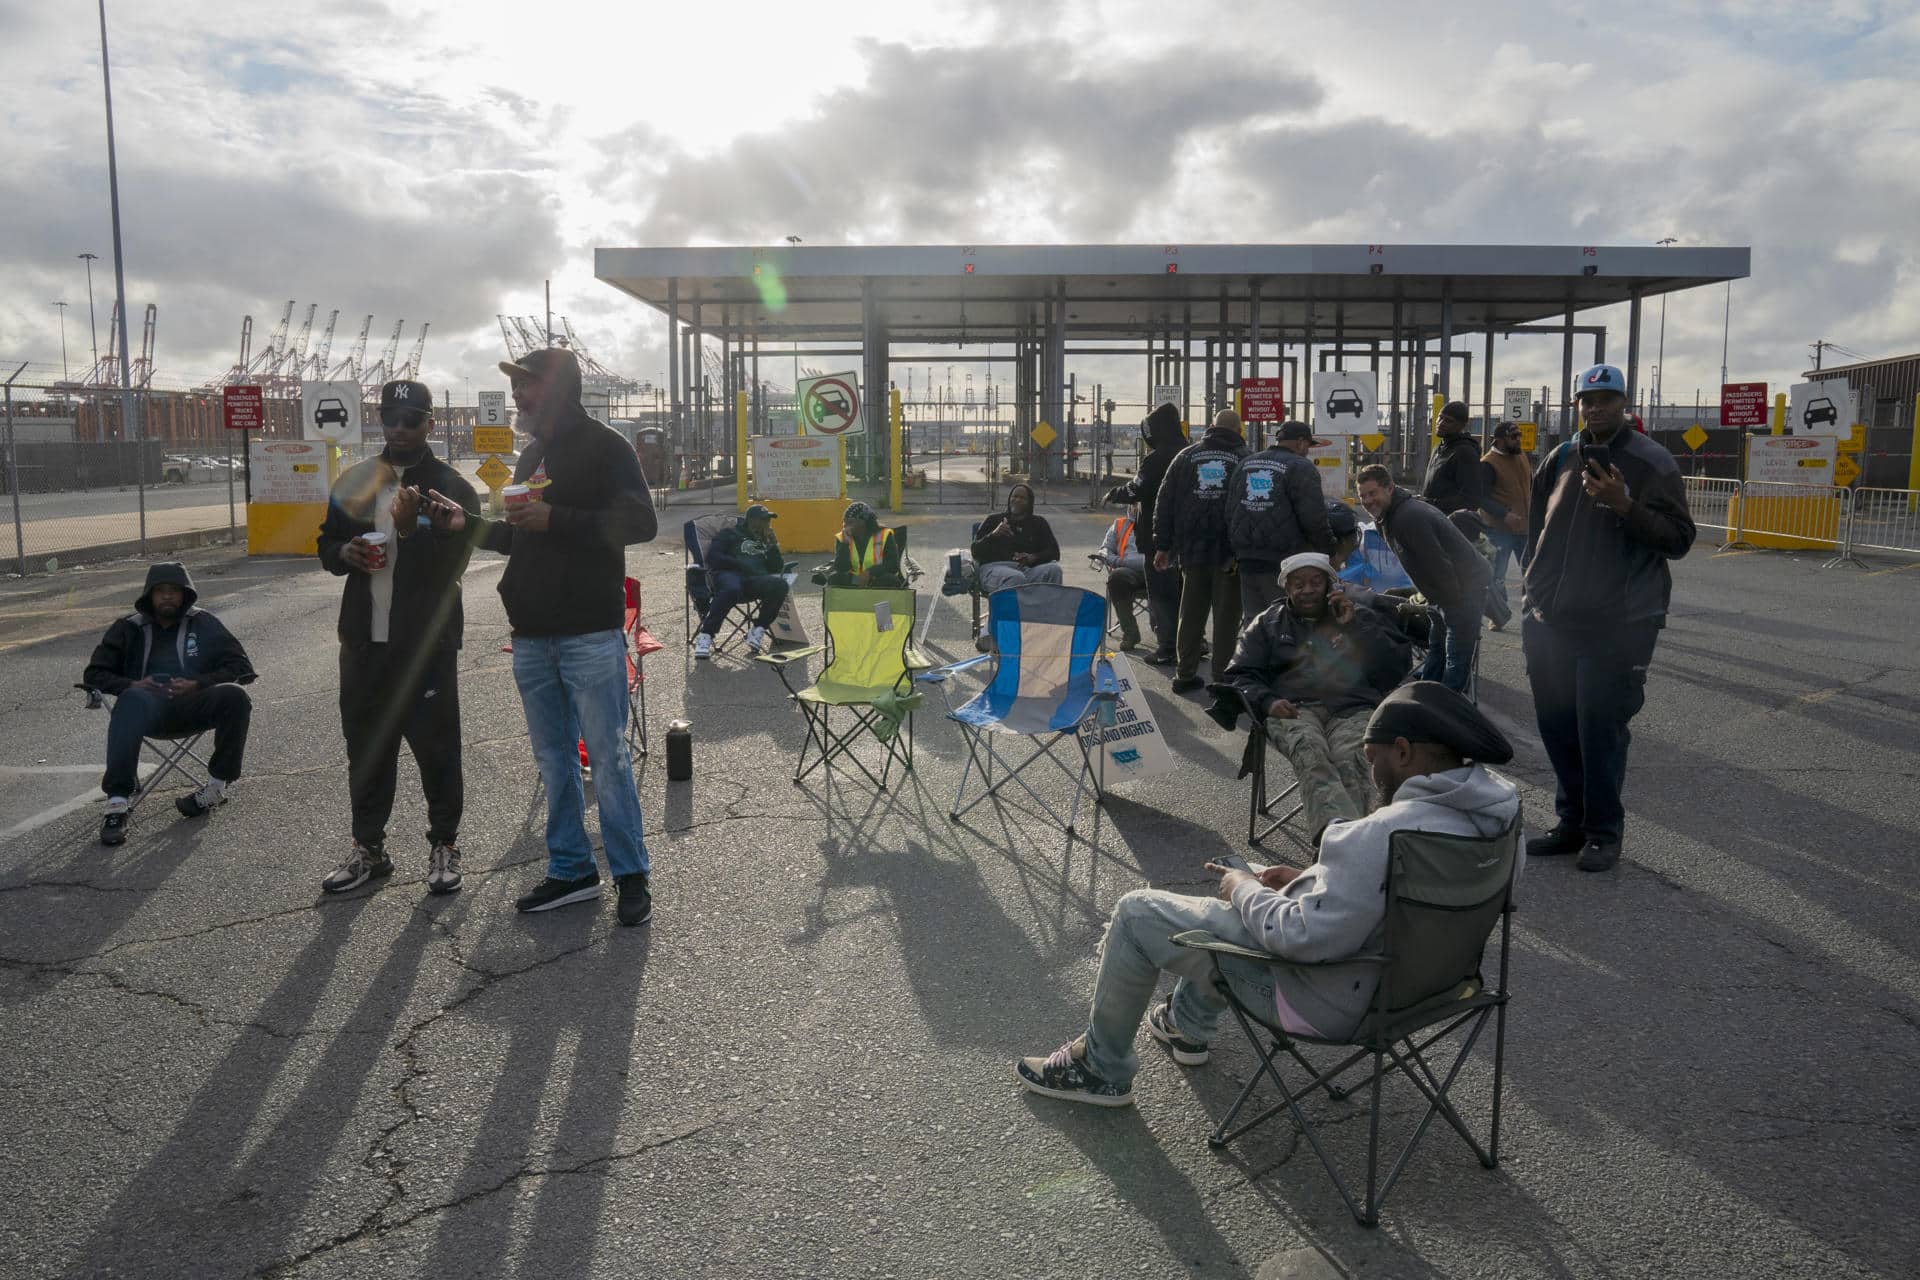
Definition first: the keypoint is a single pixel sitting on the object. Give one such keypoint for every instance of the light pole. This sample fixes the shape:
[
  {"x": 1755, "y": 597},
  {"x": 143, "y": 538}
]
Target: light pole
[
  {"x": 93, "y": 325},
  {"x": 1660, "y": 359},
  {"x": 1726, "y": 324},
  {"x": 129, "y": 426},
  {"x": 64, "y": 375}
]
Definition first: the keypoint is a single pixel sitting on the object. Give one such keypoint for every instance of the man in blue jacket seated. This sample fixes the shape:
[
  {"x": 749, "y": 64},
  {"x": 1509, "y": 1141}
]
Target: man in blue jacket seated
[
  {"x": 1311, "y": 669},
  {"x": 173, "y": 670},
  {"x": 1427, "y": 748},
  {"x": 746, "y": 564}
]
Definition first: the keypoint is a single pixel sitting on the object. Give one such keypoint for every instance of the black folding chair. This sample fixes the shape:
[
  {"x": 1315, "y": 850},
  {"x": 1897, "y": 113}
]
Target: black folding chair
[
  {"x": 1229, "y": 705},
  {"x": 967, "y": 581},
  {"x": 1444, "y": 895},
  {"x": 179, "y": 755}
]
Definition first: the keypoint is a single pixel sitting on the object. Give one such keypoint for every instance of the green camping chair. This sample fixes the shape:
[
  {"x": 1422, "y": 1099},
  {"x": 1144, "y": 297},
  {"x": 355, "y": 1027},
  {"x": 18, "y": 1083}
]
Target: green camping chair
[
  {"x": 870, "y": 666},
  {"x": 1445, "y": 894}
]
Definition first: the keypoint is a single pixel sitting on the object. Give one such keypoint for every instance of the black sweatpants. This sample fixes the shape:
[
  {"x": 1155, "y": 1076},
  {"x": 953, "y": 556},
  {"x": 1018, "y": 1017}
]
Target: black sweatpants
[
  {"x": 143, "y": 713},
  {"x": 1587, "y": 685},
  {"x": 387, "y": 694}
]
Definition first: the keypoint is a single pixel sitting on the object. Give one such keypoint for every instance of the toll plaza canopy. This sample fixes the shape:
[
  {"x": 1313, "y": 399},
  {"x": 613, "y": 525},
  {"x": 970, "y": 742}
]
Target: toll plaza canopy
[{"x": 1252, "y": 309}]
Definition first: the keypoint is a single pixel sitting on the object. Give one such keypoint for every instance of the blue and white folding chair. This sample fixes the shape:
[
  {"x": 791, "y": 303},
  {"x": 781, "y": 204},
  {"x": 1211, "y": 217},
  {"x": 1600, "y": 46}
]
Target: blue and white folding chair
[{"x": 1051, "y": 678}]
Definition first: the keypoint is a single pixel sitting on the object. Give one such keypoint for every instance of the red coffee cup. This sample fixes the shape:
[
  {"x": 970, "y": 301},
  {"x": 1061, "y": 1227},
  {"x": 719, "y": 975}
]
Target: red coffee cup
[
  {"x": 376, "y": 550},
  {"x": 515, "y": 495}
]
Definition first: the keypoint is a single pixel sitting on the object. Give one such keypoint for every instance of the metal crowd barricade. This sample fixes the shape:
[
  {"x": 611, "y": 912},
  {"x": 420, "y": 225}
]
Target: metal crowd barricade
[
  {"x": 1883, "y": 520},
  {"x": 1795, "y": 517},
  {"x": 1710, "y": 501}
]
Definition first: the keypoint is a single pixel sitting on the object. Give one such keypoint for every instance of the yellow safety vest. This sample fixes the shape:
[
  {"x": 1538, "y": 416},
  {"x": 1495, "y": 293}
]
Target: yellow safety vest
[{"x": 876, "y": 551}]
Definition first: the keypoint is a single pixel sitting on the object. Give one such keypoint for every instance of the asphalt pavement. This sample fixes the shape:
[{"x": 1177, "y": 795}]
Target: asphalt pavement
[{"x": 802, "y": 1067}]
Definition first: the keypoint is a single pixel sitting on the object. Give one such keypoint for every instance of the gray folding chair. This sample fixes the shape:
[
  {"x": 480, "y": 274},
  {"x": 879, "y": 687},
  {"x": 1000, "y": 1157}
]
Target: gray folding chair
[
  {"x": 170, "y": 755},
  {"x": 1445, "y": 894}
]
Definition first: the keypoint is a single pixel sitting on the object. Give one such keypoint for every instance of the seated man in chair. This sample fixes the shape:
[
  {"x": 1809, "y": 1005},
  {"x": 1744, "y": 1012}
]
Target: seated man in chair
[
  {"x": 866, "y": 553},
  {"x": 1126, "y": 565},
  {"x": 1427, "y": 750},
  {"x": 746, "y": 564},
  {"x": 173, "y": 671},
  {"x": 1312, "y": 668}
]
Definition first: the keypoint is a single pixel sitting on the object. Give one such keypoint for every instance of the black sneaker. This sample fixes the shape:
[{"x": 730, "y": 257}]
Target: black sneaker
[
  {"x": 1599, "y": 855},
  {"x": 205, "y": 800},
  {"x": 1064, "y": 1076},
  {"x": 443, "y": 867},
  {"x": 1184, "y": 684},
  {"x": 1160, "y": 658},
  {"x": 363, "y": 865},
  {"x": 1559, "y": 841},
  {"x": 1188, "y": 1053},
  {"x": 636, "y": 903},
  {"x": 113, "y": 829},
  {"x": 551, "y": 893}
]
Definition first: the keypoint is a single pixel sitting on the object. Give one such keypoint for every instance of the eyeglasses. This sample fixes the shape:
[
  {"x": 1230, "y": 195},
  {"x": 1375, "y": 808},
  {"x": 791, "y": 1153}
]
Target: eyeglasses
[{"x": 412, "y": 419}]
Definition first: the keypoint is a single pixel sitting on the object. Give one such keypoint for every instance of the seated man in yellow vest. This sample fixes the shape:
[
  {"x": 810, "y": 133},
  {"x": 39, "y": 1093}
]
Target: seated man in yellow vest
[
  {"x": 864, "y": 553},
  {"x": 1126, "y": 574}
]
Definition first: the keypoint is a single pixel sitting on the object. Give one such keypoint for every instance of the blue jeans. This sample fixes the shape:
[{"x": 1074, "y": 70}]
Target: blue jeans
[
  {"x": 1138, "y": 948},
  {"x": 1505, "y": 545},
  {"x": 1450, "y": 651},
  {"x": 574, "y": 688}
]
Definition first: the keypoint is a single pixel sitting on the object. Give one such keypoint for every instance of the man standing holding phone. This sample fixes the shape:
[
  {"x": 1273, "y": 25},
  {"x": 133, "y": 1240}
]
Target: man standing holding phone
[
  {"x": 403, "y": 554},
  {"x": 1608, "y": 510}
]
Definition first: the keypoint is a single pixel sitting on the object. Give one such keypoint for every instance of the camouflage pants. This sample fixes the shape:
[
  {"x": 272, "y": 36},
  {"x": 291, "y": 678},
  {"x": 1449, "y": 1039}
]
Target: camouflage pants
[{"x": 1330, "y": 760}]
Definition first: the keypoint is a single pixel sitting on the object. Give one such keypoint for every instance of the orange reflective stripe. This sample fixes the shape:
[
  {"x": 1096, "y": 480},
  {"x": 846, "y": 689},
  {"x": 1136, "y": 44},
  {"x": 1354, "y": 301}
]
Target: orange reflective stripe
[
  {"x": 875, "y": 552},
  {"x": 1125, "y": 526}
]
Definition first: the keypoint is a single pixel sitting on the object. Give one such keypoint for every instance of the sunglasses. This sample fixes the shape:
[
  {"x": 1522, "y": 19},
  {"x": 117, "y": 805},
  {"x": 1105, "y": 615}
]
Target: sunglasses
[{"x": 412, "y": 419}]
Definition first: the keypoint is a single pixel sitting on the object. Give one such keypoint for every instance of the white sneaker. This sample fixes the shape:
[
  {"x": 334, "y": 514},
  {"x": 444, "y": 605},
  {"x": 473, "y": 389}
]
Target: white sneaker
[
  {"x": 756, "y": 639},
  {"x": 703, "y": 645}
]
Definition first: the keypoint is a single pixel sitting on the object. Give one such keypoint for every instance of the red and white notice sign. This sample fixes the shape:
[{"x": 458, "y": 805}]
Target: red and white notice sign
[
  {"x": 244, "y": 408},
  {"x": 1743, "y": 404},
  {"x": 1262, "y": 400}
]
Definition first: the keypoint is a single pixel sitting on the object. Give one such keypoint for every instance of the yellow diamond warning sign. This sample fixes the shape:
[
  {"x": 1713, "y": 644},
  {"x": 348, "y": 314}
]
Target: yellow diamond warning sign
[
  {"x": 493, "y": 473},
  {"x": 1845, "y": 471},
  {"x": 1372, "y": 441},
  {"x": 1695, "y": 437},
  {"x": 1043, "y": 434}
]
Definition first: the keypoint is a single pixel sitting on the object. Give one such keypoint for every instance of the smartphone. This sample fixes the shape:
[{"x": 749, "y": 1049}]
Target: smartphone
[
  {"x": 1596, "y": 453},
  {"x": 1233, "y": 860}
]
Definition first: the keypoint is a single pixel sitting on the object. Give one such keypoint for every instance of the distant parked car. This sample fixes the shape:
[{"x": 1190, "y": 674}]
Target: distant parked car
[{"x": 176, "y": 470}]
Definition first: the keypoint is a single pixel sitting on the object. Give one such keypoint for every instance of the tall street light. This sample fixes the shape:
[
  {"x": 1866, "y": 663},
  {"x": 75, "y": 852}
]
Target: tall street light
[
  {"x": 93, "y": 324},
  {"x": 130, "y": 427},
  {"x": 1660, "y": 359},
  {"x": 64, "y": 375}
]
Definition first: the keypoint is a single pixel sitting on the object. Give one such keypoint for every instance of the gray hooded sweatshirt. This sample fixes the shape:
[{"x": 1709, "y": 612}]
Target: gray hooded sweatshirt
[{"x": 1338, "y": 906}]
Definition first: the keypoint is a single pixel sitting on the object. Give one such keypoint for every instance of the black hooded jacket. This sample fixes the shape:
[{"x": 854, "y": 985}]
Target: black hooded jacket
[
  {"x": 1586, "y": 566},
  {"x": 427, "y": 563},
  {"x": 1275, "y": 507},
  {"x": 1001, "y": 539},
  {"x": 1437, "y": 556},
  {"x": 1192, "y": 511},
  {"x": 1164, "y": 441},
  {"x": 571, "y": 580},
  {"x": 1455, "y": 479},
  {"x": 206, "y": 650}
]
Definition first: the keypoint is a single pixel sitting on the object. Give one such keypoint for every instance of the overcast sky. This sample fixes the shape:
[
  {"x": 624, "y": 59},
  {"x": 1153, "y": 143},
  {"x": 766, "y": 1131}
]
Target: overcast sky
[{"x": 437, "y": 161}]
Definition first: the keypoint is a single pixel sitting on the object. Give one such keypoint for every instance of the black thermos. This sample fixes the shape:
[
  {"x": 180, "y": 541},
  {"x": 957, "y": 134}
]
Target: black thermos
[{"x": 679, "y": 751}]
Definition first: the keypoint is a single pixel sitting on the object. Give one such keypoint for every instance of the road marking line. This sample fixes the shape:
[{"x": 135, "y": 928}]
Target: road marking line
[
  {"x": 91, "y": 796},
  {"x": 15, "y": 770},
  {"x": 1905, "y": 568}
]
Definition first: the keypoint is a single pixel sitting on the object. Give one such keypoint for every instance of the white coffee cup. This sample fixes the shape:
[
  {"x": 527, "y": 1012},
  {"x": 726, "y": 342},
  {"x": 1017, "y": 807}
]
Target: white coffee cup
[{"x": 376, "y": 550}]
